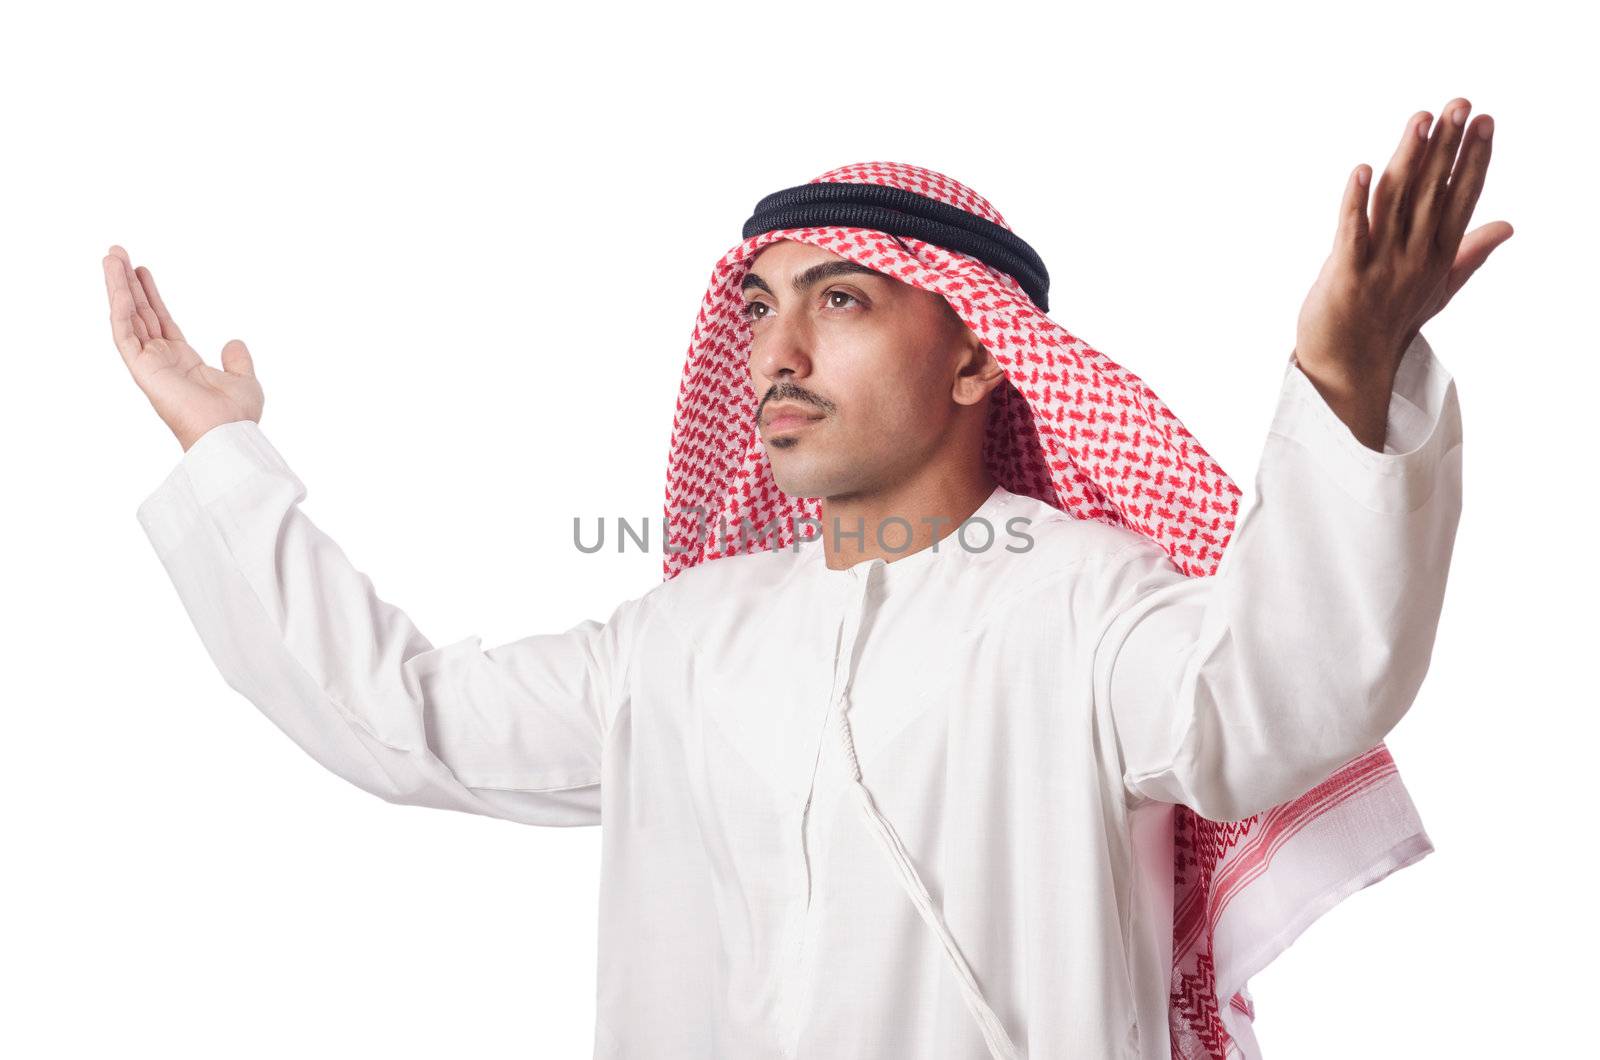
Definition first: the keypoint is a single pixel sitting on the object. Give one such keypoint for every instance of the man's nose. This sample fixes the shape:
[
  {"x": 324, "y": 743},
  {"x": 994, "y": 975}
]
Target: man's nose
[{"x": 782, "y": 350}]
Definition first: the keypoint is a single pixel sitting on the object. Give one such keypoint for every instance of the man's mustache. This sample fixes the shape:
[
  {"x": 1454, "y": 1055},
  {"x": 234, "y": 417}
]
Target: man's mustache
[{"x": 790, "y": 392}]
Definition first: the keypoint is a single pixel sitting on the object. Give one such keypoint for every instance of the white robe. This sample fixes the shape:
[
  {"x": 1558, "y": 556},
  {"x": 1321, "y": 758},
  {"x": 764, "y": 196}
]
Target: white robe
[{"x": 1018, "y": 718}]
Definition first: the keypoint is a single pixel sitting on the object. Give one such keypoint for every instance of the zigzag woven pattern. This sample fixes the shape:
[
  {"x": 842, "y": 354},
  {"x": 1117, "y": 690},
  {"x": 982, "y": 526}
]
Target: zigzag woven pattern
[{"x": 1069, "y": 427}]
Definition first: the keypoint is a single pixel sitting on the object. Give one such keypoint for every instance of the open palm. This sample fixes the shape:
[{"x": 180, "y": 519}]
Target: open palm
[
  {"x": 1392, "y": 271},
  {"x": 188, "y": 394}
]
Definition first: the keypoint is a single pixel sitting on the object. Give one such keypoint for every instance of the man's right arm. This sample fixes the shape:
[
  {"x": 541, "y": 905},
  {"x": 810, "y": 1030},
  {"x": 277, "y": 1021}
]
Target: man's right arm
[{"x": 513, "y": 732}]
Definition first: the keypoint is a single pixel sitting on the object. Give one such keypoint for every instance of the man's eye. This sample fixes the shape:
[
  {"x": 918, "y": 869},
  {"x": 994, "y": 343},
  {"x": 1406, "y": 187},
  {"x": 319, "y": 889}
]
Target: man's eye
[{"x": 748, "y": 310}]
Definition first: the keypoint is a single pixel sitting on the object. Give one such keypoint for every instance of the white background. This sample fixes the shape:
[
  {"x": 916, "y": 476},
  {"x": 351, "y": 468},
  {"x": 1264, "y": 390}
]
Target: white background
[{"x": 466, "y": 247}]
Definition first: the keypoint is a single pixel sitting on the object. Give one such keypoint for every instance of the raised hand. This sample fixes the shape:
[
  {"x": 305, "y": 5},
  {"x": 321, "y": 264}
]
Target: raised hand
[
  {"x": 1388, "y": 275},
  {"x": 190, "y": 396}
]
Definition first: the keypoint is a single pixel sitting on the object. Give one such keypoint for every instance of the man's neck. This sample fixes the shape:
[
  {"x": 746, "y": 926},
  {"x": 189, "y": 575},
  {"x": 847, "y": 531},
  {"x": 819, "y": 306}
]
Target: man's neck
[{"x": 896, "y": 523}]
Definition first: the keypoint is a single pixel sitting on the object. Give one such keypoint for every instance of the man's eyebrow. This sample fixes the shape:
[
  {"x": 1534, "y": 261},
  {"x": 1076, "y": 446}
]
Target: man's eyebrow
[{"x": 815, "y": 274}]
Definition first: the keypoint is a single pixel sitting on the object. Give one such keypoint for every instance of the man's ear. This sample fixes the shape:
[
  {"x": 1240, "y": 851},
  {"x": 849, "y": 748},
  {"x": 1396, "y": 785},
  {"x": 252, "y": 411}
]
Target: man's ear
[{"x": 978, "y": 373}]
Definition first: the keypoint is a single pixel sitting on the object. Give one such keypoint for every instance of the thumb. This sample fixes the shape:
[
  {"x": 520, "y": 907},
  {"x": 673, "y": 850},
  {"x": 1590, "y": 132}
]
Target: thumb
[
  {"x": 1475, "y": 248},
  {"x": 236, "y": 359}
]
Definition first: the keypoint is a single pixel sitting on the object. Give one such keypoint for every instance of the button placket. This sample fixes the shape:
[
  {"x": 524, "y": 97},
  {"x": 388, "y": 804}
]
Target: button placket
[
  {"x": 799, "y": 947},
  {"x": 844, "y": 653}
]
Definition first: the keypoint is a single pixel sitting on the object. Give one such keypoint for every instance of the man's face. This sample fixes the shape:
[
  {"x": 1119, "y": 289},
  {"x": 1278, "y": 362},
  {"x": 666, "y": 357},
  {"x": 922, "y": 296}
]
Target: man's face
[{"x": 860, "y": 378}]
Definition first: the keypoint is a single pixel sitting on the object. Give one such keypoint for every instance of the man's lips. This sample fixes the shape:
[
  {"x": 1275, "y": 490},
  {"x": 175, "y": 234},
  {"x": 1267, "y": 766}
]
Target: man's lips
[
  {"x": 788, "y": 416},
  {"x": 786, "y": 421}
]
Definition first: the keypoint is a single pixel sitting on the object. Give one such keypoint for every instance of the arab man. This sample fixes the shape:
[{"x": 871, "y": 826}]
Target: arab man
[{"x": 964, "y": 646}]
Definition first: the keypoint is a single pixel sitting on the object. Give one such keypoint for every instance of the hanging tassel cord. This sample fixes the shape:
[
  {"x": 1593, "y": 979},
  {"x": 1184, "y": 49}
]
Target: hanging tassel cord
[{"x": 995, "y": 1037}]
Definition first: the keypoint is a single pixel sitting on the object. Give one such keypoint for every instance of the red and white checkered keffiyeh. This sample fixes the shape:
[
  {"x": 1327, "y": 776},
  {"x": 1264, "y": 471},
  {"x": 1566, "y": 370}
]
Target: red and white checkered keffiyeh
[{"x": 1080, "y": 432}]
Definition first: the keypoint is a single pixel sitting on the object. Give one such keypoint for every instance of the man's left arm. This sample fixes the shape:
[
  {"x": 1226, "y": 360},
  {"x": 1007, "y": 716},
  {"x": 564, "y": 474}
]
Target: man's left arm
[{"x": 1234, "y": 693}]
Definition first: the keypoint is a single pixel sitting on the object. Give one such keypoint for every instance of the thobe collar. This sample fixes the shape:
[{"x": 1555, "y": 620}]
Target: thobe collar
[{"x": 908, "y": 566}]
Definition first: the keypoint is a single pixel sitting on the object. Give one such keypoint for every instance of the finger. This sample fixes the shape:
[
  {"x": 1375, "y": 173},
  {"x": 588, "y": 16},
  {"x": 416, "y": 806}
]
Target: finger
[
  {"x": 146, "y": 324},
  {"x": 1433, "y": 178},
  {"x": 147, "y": 312},
  {"x": 236, "y": 359},
  {"x": 1475, "y": 250},
  {"x": 129, "y": 282},
  {"x": 1465, "y": 186},
  {"x": 1389, "y": 197},
  {"x": 121, "y": 298},
  {"x": 111, "y": 268},
  {"x": 169, "y": 327},
  {"x": 1351, "y": 241}
]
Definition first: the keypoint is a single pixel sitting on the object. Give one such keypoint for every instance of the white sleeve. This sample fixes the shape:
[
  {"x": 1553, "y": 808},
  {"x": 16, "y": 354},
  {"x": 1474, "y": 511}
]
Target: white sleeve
[
  {"x": 513, "y": 732},
  {"x": 1233, "y": 693}
]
